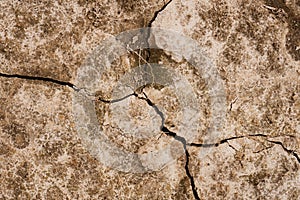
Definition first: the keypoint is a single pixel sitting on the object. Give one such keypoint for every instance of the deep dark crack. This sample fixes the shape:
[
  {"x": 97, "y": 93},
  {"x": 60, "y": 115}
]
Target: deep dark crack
[
  {"x": 150, "y": 103},
  {"x": 157, "y": 12},
  {"x": 180, "y": 139},
  {"x": 149, "y": 25},
  {"x": 163, "y": 128},
  {"x": 37, "y": 78},
  {"x": 167, "y": 132}
]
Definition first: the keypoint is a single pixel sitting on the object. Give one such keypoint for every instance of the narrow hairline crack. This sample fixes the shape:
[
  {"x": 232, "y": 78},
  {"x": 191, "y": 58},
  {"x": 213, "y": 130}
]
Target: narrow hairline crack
[
  {"x": 205, "y": 145},
  {"x": 289, "y": 151}
]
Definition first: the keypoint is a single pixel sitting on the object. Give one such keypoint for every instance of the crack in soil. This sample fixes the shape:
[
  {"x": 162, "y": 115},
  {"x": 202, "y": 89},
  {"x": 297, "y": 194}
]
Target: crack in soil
[
  {"x": 37, "y": 78},
  {"x": 157, "y": 12},
  {"x": 114, "y": 100},
  {"x": 180, "y": 139},
  {"x": 164, "y": 129},
  {"x": 289, "y": 151},
  {"x": 149, "y": 25}
]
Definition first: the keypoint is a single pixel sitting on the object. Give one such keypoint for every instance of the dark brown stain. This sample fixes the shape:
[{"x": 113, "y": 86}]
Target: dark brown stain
[
  {"x": 130, "y": 6},
  {"x": 291, "y": 17},
  {"x": 182, "y": 190},
  {"x": 51, "y": 150},
  {"x": 17, "y": 186},
  {"x": 23, "y": 170},
  {"x": 54, "y": 193},
  {"x": 258, "y": 178},
  {"x": 218, "y": 20},
  {"x": 19, "y": 135},
  {"x": 219, "y": 190},
  {"x": 234, "y": 50},
  {"x": 4, "y": 148}
]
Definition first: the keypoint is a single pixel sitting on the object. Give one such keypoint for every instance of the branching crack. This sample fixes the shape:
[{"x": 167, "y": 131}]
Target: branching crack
[
  {"x": 293, "y": 153},
  {"x": 180, "y": 139},
  {"x": 166, "y": 131},
  {"x": 163, "y": 128},
  {"x": 286, "y": 150},
  {"x": 205, "y": 145},
  {"x": 183, "y": 141}
]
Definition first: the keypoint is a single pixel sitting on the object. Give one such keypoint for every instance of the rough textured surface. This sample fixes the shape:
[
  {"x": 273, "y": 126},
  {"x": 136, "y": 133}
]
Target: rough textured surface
[{"x": 255, "y": 46}]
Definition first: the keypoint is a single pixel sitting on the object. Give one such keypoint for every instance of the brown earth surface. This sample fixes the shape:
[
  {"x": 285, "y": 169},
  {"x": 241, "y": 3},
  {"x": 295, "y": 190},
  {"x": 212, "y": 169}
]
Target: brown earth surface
[{"x": 253, "y": 45}]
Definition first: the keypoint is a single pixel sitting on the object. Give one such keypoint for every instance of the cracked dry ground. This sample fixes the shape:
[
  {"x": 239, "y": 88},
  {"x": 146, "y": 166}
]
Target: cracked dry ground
[{"x": 255, "y": 45}]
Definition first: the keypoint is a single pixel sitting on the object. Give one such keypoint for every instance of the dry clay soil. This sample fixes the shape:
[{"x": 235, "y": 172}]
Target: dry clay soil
[{"x": 254, "y": 45}]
